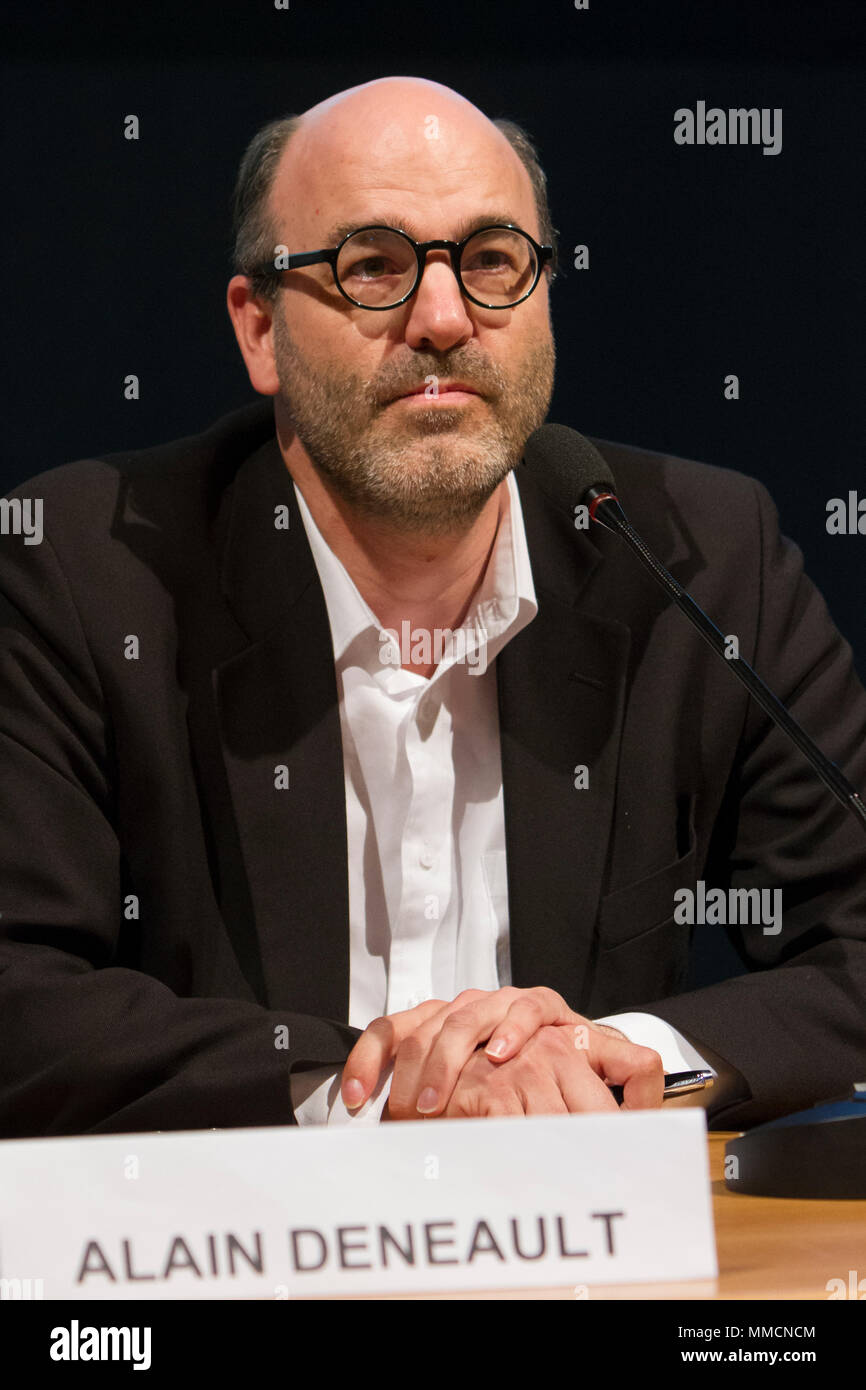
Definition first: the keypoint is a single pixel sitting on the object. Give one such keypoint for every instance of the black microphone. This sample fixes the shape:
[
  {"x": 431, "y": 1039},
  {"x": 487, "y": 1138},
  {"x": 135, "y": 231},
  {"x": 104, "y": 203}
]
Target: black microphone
[{"x": 573, "y": 473}]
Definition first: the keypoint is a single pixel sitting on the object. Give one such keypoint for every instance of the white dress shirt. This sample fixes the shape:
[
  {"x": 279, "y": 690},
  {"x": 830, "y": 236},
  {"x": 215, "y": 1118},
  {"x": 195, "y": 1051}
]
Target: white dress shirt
[{"x": 425, "y": 818}]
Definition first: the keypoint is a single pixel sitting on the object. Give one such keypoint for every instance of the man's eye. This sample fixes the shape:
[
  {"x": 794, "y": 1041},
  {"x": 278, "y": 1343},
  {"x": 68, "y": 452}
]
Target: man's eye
[
  {"x": 373, "y": 268},
  {"x": 490, "y": 260}
]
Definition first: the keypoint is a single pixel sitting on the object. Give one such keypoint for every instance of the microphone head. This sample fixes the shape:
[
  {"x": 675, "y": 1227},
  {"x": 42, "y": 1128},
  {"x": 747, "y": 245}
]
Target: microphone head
[{"x": 566, "y": 465}]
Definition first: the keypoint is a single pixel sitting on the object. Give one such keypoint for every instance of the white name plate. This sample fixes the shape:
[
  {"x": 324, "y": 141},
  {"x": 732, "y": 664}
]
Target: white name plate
[{"x": 423, "y": 1206}]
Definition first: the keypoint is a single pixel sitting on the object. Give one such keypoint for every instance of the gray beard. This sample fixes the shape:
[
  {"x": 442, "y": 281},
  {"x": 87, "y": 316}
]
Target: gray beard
[{"x": 436, "y": 477}]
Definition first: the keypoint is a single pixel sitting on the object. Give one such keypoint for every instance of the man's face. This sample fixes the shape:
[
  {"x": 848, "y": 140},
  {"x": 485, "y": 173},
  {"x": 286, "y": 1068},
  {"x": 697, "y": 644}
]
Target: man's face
[{"x": 426, "y": 162}]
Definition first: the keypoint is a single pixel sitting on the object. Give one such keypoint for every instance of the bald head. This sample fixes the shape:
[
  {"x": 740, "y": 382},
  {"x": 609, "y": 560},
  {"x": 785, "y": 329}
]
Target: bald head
[
  {"x": 389, "y": 99},
  {"x": 401, "y": 134}
]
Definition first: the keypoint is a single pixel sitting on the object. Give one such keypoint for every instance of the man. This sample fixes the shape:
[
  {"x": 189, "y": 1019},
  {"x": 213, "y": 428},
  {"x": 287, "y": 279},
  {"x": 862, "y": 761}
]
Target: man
[{"x": 334, "y": 756}]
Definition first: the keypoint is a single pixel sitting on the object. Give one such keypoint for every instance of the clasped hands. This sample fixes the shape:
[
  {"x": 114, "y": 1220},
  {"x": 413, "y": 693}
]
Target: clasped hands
[{"x": 499, "y": 1052}]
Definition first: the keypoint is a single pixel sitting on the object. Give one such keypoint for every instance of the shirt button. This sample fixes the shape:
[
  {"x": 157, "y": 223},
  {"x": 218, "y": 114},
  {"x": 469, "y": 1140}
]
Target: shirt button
[{"x": 427, "y": 858}]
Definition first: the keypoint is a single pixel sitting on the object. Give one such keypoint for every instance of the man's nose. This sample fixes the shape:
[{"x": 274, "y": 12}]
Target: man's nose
[{"x": 438, "y": 312}]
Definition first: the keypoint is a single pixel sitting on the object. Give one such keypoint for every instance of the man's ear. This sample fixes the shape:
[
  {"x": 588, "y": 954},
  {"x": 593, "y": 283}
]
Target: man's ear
[{"x": 252, "y": 320}]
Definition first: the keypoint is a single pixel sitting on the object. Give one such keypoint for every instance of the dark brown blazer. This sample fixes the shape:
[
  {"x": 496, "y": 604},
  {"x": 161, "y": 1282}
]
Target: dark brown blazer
[{"x": 166, "y": 908}]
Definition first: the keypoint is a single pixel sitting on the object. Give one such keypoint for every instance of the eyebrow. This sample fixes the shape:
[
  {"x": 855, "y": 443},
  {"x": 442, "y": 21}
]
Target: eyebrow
[{"x": 465, "y": 227}]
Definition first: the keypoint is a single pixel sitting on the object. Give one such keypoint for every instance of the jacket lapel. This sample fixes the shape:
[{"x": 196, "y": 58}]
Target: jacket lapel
[
  {"x": 279, "y": 726},
  {"x": 561, "y": 687}
]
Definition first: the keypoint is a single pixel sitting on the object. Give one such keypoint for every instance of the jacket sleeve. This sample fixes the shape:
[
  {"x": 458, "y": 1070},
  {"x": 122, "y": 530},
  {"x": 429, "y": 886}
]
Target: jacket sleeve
[
  {"x": 86, "y": 1044},
  {"x": 794, "y": 1028}
]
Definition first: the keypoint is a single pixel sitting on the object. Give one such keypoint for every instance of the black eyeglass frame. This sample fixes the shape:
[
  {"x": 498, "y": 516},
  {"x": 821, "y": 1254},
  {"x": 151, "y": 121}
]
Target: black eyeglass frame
[{"x": 455, "y": 249}]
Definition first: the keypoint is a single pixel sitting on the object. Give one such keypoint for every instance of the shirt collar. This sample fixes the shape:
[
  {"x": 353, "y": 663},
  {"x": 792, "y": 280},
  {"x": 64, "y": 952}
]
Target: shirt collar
[{"x": 503, "y": 605}]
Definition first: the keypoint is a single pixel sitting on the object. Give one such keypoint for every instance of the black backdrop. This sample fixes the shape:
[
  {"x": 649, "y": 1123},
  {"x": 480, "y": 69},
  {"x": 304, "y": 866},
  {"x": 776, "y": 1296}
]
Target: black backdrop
[{"x": 704, "y": 261}]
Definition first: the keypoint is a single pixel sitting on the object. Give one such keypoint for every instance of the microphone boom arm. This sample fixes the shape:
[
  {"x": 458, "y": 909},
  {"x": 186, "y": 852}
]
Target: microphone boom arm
[{"x": 605, "y": 508}]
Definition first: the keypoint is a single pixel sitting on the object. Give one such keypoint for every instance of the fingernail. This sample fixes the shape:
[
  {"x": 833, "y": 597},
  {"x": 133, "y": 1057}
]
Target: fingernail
[
  {"x": 496, "y": 1049},
  {"x": 427, "y": 1101},
  {"x": 353, "y": 1093}
]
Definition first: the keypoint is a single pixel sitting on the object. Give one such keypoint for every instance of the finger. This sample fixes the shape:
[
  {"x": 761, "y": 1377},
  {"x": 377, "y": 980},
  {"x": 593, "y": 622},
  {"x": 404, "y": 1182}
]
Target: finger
[
  {"x": 639, "y": 1070},
  {"x": 542, "y": 1096},
  {"x": 413, "y": 1053},
  {"x": 505, "y": 1102},
  {"x": 531, "y": 1009},
  {"x": 581, "y": 1089},
  {"x": 645, "y": 1088},
  {"x": 377, "y": 1047},
  {"x": 481, "y": 1100}
]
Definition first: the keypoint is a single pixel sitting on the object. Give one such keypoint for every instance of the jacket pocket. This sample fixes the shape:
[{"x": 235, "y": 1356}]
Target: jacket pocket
[
  {"x": 638, "y": 908},
  {"x": 642, "y": 953}
]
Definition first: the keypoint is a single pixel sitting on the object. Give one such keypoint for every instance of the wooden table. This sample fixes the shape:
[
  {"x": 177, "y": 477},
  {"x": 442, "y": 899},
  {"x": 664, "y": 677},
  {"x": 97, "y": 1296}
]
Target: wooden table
[{"x": 768, "y": 1248}]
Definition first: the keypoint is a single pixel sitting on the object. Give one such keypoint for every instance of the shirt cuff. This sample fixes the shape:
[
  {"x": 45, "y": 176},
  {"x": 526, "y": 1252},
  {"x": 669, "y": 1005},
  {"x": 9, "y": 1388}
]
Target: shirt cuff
[
  {"x": 316, "y": 1098},
  {"x": 676, "y": 1052}
]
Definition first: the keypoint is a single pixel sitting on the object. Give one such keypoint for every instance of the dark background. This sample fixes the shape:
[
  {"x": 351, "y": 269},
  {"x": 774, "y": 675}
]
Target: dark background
[{"x": 703, "y": 260}]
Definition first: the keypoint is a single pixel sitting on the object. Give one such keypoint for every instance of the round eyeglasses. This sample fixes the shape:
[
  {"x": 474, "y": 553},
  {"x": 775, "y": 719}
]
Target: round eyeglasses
[{"x": 381, "y": 267}]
